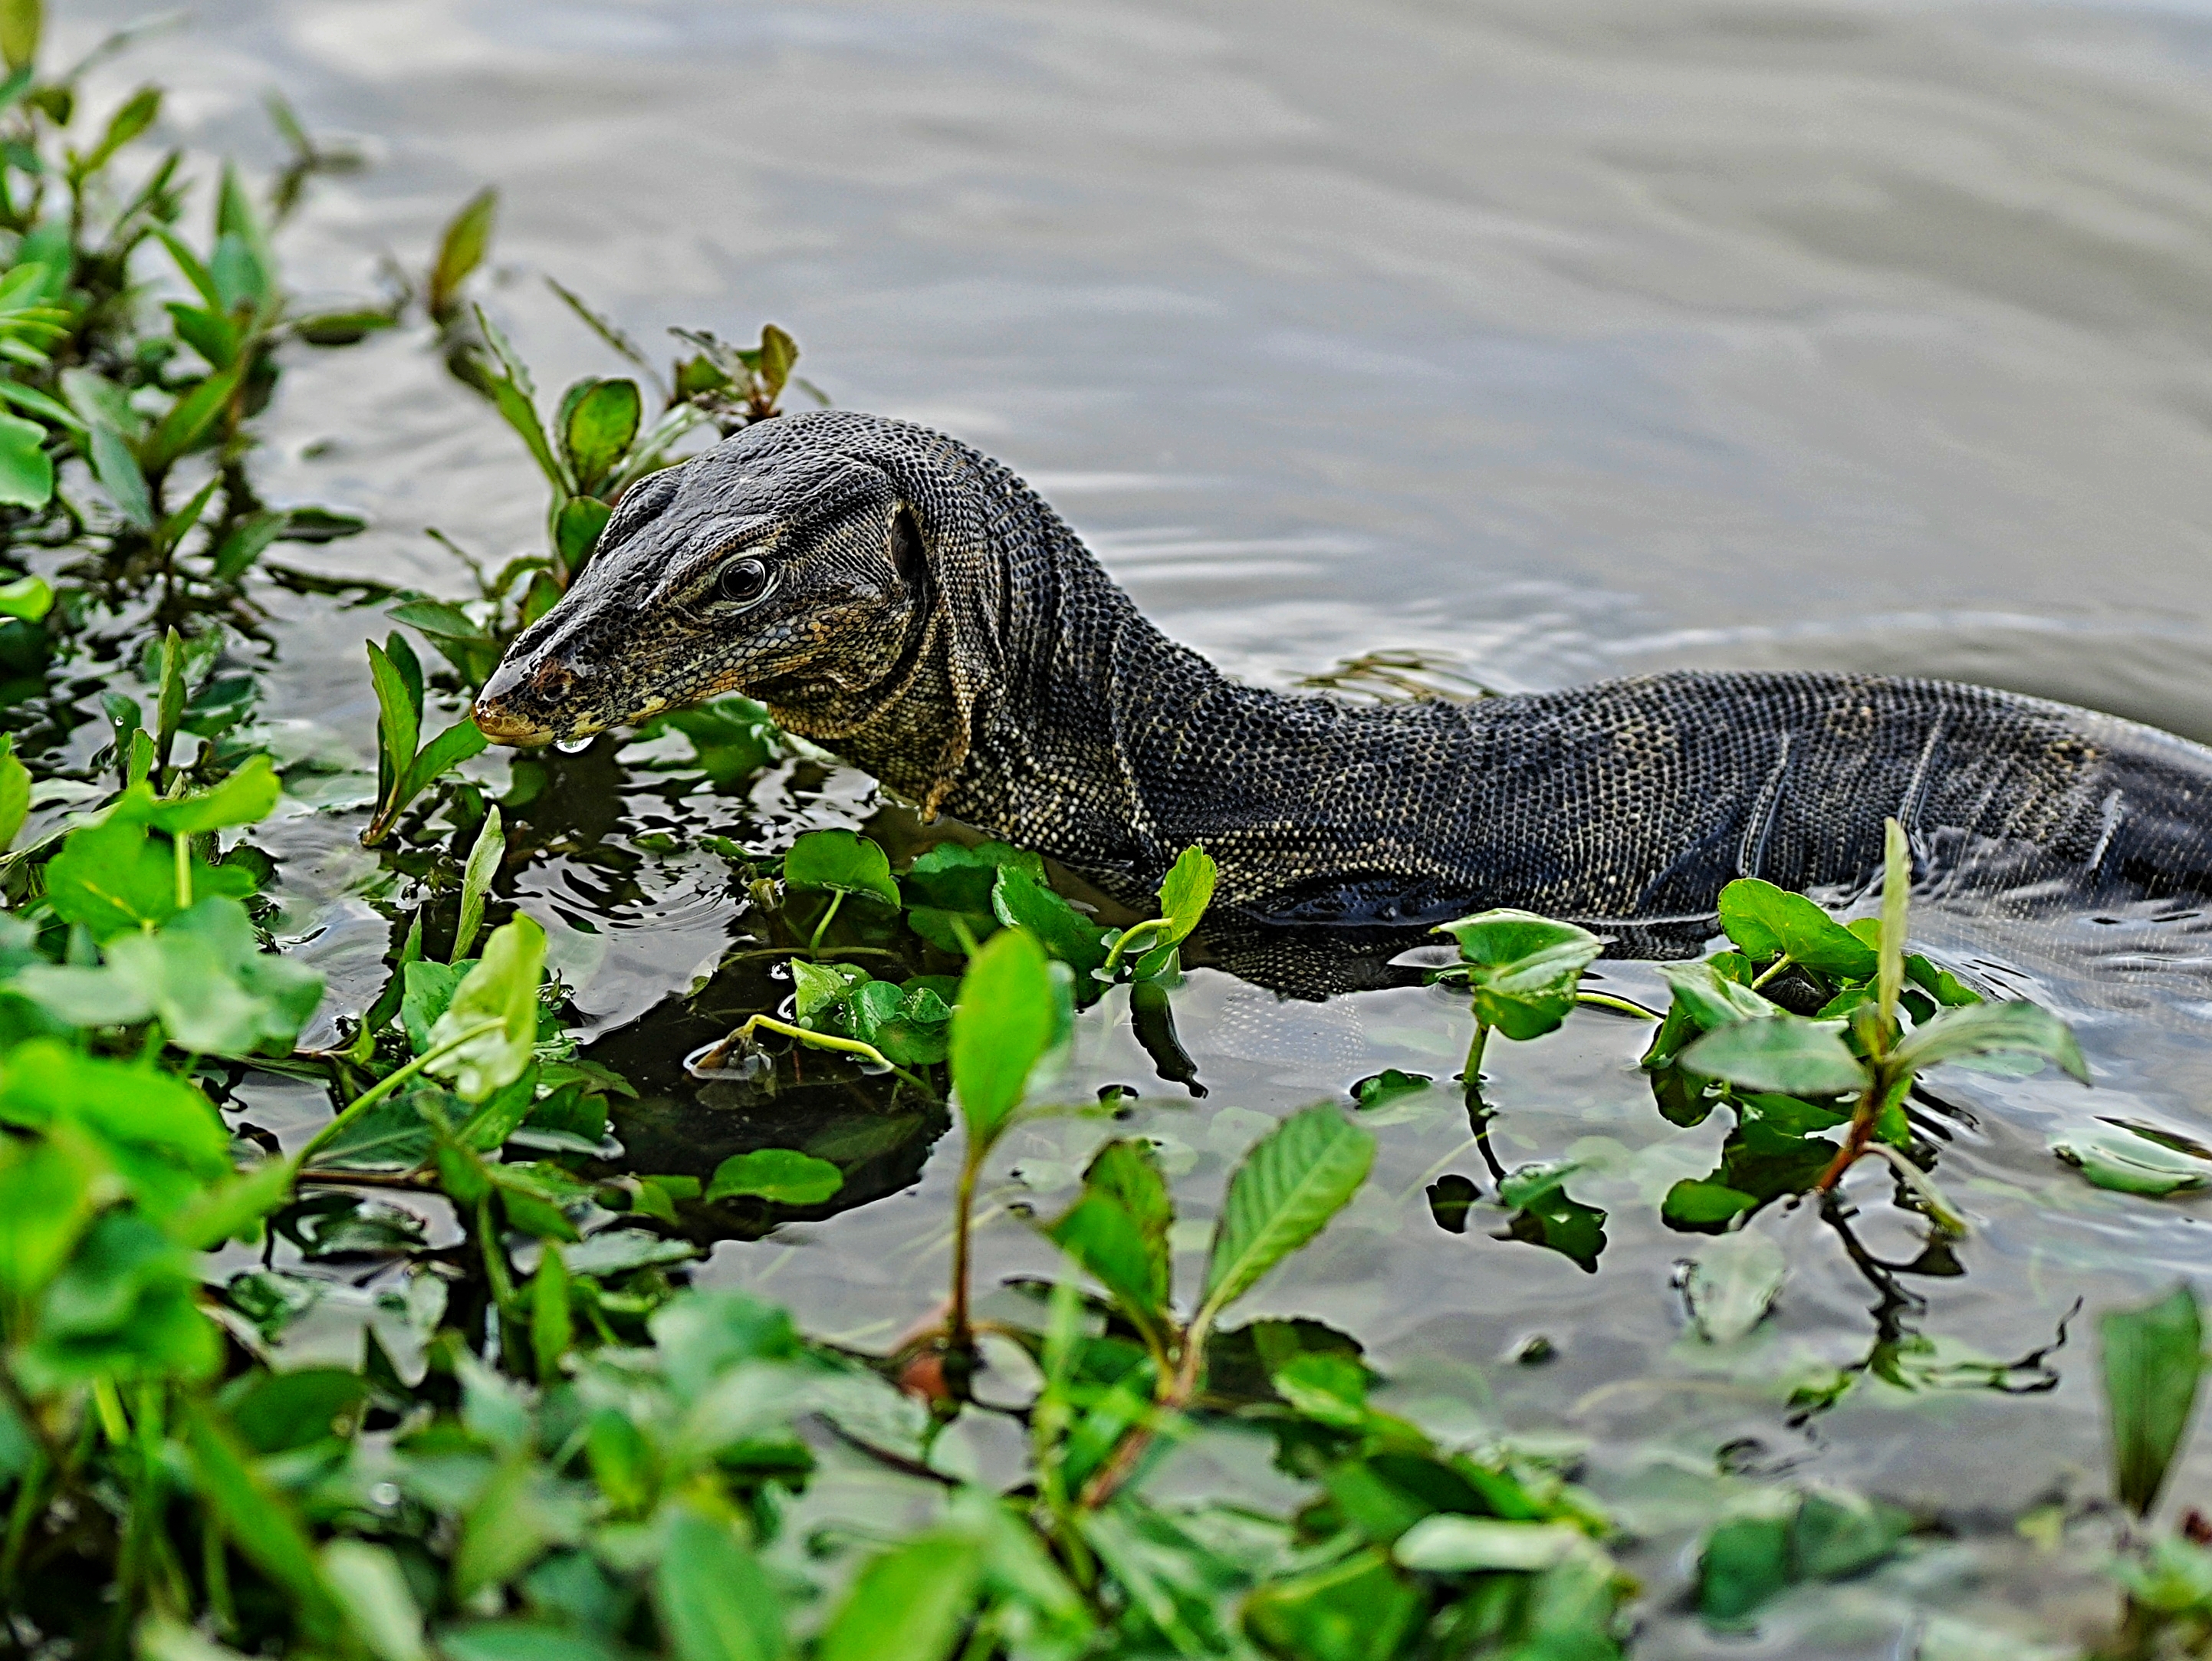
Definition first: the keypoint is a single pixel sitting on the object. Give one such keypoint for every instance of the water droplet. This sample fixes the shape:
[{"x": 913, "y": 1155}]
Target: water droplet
[{"x": 573, "y": 746}]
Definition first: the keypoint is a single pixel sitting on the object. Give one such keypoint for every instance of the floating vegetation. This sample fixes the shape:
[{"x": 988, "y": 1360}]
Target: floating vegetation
[{"x": 539, "y": 1436}]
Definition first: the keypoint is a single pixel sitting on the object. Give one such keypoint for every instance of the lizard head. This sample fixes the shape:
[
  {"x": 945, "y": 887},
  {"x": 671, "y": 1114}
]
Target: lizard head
[{"x": 783, "y": 564}]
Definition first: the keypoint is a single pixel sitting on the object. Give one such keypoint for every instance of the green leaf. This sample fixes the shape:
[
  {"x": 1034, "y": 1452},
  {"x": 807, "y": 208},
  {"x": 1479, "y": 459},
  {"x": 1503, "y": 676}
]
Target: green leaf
[
  {"x": 260, "y": 1520},
  {"x": 484, "y": 856},
  {"x": 781, "y": 1174},
  {"x": 526, "y": 1640},
  {"x": 1745, "y": 1562},
  {"x": 779, "y": 352},
  {"x": 215, "y": 991},
  {"x": 2016, "y": 1027},
  {"x": 1020, "y": 900},
  {"x": 47, "y": 1198},
  {"x": 159, "y": 1133},
  {"x": 552, "y": 1328},
  {"x": 235, "y": 1210},
  {"x": 21, "y": 22},
  {"x": 117, "y": 471},
  {"x": 1522, "y": 969},
  {"x": 502, "y": 988},
  {"x": 1185, "y": 892},
  {"x": 1297, "y": 1177},
  {"x": 1358, "y": 1610},
  {"x": 597, "y": 426},
  {"x": 1117, "y": 1232},
  {"x": 373, "y": 1592},
  {"x": 26, "y": 471},
  {"x": 1704, "y": 1207},
  {"x": 1896, "y": 898},
  {"x": 110, "y": 878},
  {"x": 1765, "y": 922},
  {"x": 1709, "y": 999},
  {"x": 948, "y": 889},
  {"x": 1786, "y": 1054},
  {"x": 441, "y": 755},
  {"x": 910, "y": 1603},
  {"x": 2152, "y": 1363},
  {"x": 399, "y": 724},
  {"x": 576, "y": 530},
  {"x": 1004, "y": 1021},
  {"x": 189, "y": 419},
  {"x": 1731, "y": 1285},
  {"x": 714, "y": 1601},
  {"x": 840, "y": 861},
  {"x": 14, "y": 794},
  {"x": 1836, "y": 1534},
  {"x": 246, "y": 797},
  {"x": 460, "y": 251},
  {"x": 132, "y": 117},
  {"x": 2114, "y": 1157}
]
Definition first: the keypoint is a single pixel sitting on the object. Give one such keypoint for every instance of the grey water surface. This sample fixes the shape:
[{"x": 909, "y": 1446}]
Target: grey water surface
[{"x": 1560, "y": 338}]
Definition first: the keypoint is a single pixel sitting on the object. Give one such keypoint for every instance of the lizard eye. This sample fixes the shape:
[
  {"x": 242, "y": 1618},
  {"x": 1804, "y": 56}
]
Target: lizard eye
[{"x": 743, "y": 581}]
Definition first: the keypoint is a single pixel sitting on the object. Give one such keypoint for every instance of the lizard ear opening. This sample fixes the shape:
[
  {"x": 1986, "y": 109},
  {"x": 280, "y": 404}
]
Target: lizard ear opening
[{"x": 907, "y": 556}]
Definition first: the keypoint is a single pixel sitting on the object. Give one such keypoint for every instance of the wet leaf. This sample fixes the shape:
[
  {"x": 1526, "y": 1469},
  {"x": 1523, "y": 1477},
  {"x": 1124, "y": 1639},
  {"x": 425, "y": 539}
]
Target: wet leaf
[
  {"x": 1020, "y": 900},
  {"x": 1359, "y": 1610},
  {"x": 1765, "y": 922},
  {"x": 2114, "y": 1157},
  {"x": 840, "y": 861},
  {"x": 1745, "y": 1562},
  {"x": 476, "y": 876},
  {"x": 577, "y": 530},
  {"x": 1185, "y": 892},
  {"x": 1522, "y": 969},
  {"x": 2153, "y": 1362},
  {"x": 1784, "y": 1054},
  {"x": 781, "y": 1174},
  {"x": 1990, "y": 1029},
  {"x": 14, "y": 794},
  {"x": 1294, "y": 1179}
]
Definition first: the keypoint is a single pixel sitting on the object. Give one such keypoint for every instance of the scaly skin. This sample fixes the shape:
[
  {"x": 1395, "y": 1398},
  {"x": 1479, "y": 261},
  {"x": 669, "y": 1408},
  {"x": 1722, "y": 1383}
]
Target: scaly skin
[{"x": 928, "y": 618}]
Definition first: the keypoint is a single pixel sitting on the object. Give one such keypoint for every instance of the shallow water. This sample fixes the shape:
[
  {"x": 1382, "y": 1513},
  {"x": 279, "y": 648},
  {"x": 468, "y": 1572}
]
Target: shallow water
[{"x": 1564, "y": 339}]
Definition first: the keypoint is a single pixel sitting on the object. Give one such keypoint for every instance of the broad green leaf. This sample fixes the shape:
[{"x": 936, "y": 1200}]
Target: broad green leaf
[
  {"x": 427, "y": 991},
  {"x": 714, "y": 1601},
  {"x": 1449, "y": 1544},
  {"x": 597, "y": 428},
  {"x": 552, "y": 1327},
  {"x": 1297, "y": 1177},
  {"x": 1020, "y": 900},
  {"x": 824, "y": 989},
  {"x": 778, "y": 353},
  {"x": 1186, "y": 891},
  {"x": 48, "y": 1195},
  {"x": 1117, "y": 1231},
  {"x": 1522, "y": 969},
  {"x": 484, "y": 856},
  {"x": 1704, "y": 1207},
  {"x": 112, "y": 877},
  {"x": 910, "y": 1603},
  {"x": 1004, "y": 1021},
  {"x": 214, "y": 989},
  {"x": 840, "y": 861},
  {"x": 1358, "y": 1610},
  {"x": 26, "y": 471},
  {"x": 460, "y": 251},
  {"x": 2153, "y": 1360},
  {"x": 125, "y": 1306},
  {"x": 161, "y": 1135},
  {"x": 1710, "y": 1000},
  {"x": 1732, "y": 1283},
  {"x": 2016, "y": 1027},
  {"x": 781, "y": 1174},
  {"x": 1786, "y": 1054},
  {"x": 234, "y": 1210},
  {"x": 258, "y": 1518},
  {"x": 503, "y": 988},
  {"x": 1765, "y": 922},
  {"x": 507, "y": 1528},
  {"x": 28, "y": 597},
  {"x": 372, "y": 1592},
  {"x": 2114, "y": 1157},
  {"x": 1836, "y": 1534}
]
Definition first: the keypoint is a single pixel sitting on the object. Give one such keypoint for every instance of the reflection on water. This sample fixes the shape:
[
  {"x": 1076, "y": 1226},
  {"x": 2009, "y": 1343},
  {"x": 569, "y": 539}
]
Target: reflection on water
[{"x": 1560, "y": 339}]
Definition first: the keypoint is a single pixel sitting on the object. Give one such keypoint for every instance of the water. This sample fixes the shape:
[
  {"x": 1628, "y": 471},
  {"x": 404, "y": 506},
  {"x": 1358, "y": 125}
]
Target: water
[{"x": 1562, "y": 339}]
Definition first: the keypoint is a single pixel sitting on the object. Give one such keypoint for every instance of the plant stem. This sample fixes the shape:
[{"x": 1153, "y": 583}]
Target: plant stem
[
  {"x": 837, "y": 899},
  {"x": 806, "y": 1035},
  {"x": 392, "y": 1081},
  {"x": 958, "y": 1333},
  {"x": 1771, "y": 971},
  {"x": 1114, "y": 951},
  {"x": 1473, "y": 1073},
  {"x": 1618, "y": 1005}
]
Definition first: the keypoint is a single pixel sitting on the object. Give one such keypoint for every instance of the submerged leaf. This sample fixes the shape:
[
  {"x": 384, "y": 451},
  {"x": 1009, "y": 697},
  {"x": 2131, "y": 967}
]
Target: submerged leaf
[
  {"x": 781, "y": 1174},
  {"x": 1732, "y": 1283}
]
